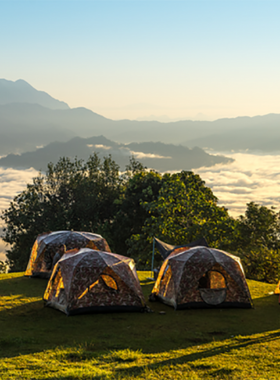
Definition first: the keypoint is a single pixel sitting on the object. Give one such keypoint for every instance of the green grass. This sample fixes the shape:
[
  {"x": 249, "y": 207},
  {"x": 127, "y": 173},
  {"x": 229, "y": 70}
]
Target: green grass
[{"x": 43, "y": 343}]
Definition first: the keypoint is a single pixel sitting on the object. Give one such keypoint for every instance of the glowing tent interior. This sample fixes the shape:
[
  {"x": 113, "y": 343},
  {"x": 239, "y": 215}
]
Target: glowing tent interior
[
  {"x": 87, "y": 280},
  {"x": 202, "y": 277}
]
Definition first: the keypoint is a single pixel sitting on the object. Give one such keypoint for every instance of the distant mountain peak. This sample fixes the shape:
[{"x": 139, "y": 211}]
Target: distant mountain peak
[{"x": 22, "y": 92}]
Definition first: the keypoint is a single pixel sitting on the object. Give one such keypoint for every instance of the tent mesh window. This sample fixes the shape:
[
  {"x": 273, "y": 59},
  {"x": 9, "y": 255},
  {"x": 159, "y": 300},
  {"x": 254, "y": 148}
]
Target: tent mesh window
[
  {"x": 109, "y": 281},
  {"x": 212, "y": 280}
]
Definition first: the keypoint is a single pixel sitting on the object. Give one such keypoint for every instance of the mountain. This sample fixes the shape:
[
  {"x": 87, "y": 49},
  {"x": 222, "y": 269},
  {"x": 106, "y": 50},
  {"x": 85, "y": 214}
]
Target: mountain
[
  {"x": 157, "y": 155},
  {"x": 22, "y": 92},
  {"x": 260, "y": 133},
  {"x": 25, "y": 126}
]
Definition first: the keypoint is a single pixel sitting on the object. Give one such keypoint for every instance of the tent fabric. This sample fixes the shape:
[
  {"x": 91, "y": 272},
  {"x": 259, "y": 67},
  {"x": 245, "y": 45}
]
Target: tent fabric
[
  {"x": 277, "y": 290},
  {"x": 168, "y": 249},
  {"x": 202, "y": 277},
  {"x": 47, "y": 244},
  {"x": 88, "y": 280}
]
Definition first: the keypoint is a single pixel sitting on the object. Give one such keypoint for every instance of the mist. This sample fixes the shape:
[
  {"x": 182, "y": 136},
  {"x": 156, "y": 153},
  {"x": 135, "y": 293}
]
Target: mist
[{"x": 250, "y": 178}]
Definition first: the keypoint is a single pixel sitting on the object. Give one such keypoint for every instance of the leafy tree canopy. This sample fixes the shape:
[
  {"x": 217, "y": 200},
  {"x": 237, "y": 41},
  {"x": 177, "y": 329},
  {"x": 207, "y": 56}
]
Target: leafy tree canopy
[
  {"x": 129, "y": 209},
  {"x": 184, "y": 210},
  {"x": 74, "y": 195}
]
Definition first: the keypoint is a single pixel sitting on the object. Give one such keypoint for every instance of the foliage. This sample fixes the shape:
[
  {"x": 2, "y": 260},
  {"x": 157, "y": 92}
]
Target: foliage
[
  {"x": 142, "y": 186},
  {"x": 72, "y": 195},
  {"x": 261, "y": 264},
  {"x": 184, "y": 210},
  {"x": 260, "y": 227},
  {"x": 256, "y": 240},
  {"x": 131, "y": 208}
]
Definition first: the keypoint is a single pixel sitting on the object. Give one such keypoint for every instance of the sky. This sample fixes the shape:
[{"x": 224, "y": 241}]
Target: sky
[{"x": 165, "y": 60}]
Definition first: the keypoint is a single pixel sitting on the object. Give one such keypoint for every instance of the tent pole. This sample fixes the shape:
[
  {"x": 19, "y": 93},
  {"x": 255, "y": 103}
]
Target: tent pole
[{"x": 153, "y": 257}]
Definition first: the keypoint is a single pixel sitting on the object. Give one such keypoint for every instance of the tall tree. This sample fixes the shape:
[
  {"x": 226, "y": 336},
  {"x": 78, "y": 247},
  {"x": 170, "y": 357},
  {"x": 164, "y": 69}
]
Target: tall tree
[
  {"x": 141, "y": 186},
  {"x": 184, "y": 210},
  {"x": 72, "y": 195},
  {"x": 259, "y": 227}
]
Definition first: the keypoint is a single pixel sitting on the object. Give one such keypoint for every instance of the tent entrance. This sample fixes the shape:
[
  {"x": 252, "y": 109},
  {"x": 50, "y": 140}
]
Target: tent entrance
[{"x": 212, "y": 287}]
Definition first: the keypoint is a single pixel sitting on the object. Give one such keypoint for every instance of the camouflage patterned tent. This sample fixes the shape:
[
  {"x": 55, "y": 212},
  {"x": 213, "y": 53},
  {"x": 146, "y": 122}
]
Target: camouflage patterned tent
[
  {"x": 168, "y": 249},
  {"x": 202, "y": 277},
  {"x": 87, "y": 280},
  {"x": 47, "y": 244},
  {"x": 277, "y": 290}
]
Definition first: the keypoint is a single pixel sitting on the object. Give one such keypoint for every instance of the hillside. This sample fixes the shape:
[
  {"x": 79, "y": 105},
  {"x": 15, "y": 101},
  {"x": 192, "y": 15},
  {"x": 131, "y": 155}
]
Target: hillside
[
  {"x": 31, "y": 118},
  {"x": 195, "y": 344},
  {"x": 159, "y": 156},
  {"x": 25, "y": 126}
]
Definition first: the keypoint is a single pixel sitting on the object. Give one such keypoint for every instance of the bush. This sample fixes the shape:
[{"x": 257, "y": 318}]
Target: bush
[{"x": 261, "y": 264}]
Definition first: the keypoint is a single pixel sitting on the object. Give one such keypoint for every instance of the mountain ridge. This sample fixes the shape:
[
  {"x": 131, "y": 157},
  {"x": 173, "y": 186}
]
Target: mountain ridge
[
  {"x": 21, "y": 91},
  {"x": 23, "y": 126},
  {"x": 159, "y": 156}
]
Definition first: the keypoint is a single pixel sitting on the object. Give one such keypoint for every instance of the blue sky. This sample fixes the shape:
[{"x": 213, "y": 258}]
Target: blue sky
[{"x": 128, "y": 59}]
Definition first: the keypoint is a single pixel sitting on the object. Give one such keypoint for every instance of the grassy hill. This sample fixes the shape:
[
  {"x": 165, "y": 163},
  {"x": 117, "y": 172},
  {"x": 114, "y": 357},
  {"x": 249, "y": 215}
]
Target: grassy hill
[{"x": 43, "y": 343}]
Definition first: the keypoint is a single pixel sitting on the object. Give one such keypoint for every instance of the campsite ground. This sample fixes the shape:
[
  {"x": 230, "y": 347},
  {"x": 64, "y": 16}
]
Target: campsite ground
[{"x": 43, "y": 343}]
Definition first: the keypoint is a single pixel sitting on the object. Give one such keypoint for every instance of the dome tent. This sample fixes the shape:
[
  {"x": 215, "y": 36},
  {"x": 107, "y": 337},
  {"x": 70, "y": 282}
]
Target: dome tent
[
  {"x": 168, "y": 249},
  {"x": 87, "y": 280},
  {"x": 202, "y": 277},
  {"x": 47, "y": 244},
  {"x": 277, "y": 290}
]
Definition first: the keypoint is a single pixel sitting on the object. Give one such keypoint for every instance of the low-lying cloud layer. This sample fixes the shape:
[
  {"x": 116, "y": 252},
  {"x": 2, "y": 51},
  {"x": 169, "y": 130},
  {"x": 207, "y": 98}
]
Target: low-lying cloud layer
[
  {"x": 12, "y": 182},
  {"x": 249, "y": 178}
]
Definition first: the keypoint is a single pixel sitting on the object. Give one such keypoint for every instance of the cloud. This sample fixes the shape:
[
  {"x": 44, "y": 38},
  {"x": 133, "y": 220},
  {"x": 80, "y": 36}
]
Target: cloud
[
  {"x": 100, "y": 146},
  {"x": 250, "y": 178},
  {"x": 12, "y": 182},
  {"x": 141, "y": 155},
  {"x": 3, "y": 248}
]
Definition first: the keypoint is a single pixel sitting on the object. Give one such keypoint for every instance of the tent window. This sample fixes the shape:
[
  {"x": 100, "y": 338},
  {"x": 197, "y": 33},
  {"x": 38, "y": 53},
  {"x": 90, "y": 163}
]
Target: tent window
[
  {"x": 109, "y": 281},
  {"x": 212, "y": 280}
]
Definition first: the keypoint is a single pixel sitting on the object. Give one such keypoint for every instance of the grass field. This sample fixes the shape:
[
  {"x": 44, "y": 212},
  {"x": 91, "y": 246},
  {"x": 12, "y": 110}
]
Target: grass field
[{"x": 43, "y": 343}]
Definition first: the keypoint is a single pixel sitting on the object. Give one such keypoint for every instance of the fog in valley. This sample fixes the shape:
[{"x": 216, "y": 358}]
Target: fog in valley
[{"x": 249, "y": 178}]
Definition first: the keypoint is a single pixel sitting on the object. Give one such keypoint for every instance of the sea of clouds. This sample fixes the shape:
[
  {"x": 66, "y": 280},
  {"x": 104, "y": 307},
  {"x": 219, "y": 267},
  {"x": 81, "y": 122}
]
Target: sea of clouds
[
  {"x": 249, "y": 178},
  {"x": 12, "y": 182}
]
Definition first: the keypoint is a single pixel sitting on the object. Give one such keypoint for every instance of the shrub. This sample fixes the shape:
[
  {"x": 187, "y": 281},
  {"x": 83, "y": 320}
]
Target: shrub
[{"x": 261, "y": 264}]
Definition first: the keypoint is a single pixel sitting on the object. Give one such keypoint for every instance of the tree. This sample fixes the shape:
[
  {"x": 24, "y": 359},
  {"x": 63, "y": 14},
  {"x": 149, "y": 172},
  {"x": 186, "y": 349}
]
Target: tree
[
  {"x": 259, "y": 227},
  {"x": 256, "y": 241},
  {"x": 72, "y": 195},
  {"x": 184, "y": 210},
  {"x": 141, "y": 186}
]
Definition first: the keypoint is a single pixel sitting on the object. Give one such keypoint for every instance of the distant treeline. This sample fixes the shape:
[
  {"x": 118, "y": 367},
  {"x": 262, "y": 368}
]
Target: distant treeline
[{"x": 129, "y": 209}]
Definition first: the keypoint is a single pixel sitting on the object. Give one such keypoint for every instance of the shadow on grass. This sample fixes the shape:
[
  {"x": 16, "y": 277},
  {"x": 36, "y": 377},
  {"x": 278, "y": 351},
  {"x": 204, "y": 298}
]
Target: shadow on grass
[
  {"x": 204, "y": 354},
  {"x": 193, "y": 360},
  {"x": 29, "y": 327},
  {"x": 30, "y": 287}
]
